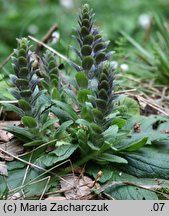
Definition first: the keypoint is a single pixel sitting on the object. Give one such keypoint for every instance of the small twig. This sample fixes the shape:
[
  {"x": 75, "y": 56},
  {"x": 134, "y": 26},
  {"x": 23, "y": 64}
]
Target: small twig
[
  {"x": 6, "y": 61},
  {"x": 149, "y": 187},
  {"x": 153, "y": 105},
  {"x": 38, "y": 167},
  {"x": 47, "y": 171},
  {"x": 45, "y": 144},
  {"x": 55, "y": 52},
  {"x": 49, "y": 48},
  {"x": 144, "y": 84},
  {"x": 46, "y": 38},
  {"x": 48, "y": 180},
  {"x": 26, "y": 171},
  {"x": 23, "y": 161},
  {"x": 9, "y": 102},
  {"x": 60, "y": 190},
  {"x": 125, "y": 91}
]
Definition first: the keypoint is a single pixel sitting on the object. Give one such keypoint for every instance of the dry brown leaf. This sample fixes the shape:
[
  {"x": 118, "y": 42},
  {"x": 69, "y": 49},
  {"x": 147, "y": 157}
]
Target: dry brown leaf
[
  {"x": 4, "y": 135},
  {"x": 55, "y": 198},
  {"x": 14, "y": 147},
  {"x": 53, "y": 116},
  {"x": 3, "y": 169},
  {"x": 76, "y": 187}
]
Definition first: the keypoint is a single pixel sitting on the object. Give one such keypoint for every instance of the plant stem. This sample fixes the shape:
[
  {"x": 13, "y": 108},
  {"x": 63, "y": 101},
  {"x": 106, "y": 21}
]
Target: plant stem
[{"x": 81, "y": 162}]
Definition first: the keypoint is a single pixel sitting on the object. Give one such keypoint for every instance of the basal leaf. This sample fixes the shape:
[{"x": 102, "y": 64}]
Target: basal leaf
[
  {"x": 148, "y": 162},
  {"x": 150, "y": 127},
  {"x": 122, "y": 191},
  {"x": 129, "y": 144}
]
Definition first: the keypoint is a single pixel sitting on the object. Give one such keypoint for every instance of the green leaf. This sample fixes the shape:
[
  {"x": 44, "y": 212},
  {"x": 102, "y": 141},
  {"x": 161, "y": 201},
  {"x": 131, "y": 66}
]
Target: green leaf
[
  {"x": 23, "y": 104},
  {"x": 20, "y": 133},
  {"x": 82, "y": 122},
  {"x": 87, "y": 62},
  {"x": 81, "y": 79},
  {"x": 131, "y": 105},
  {"x": 83, "y": 95},
  {"x": 119, "y": 122},
  {"x": 100, "y": 57},
  {"x": 106, "y": 145},
  {"x": 29, "y": 121},
  {"x": 147, "y": 128},
  {"x": 88, "y": 39},
  {"x": 11, "y": 107},
  {"x": 92, "y": 146},
  {"x": 86, "y": 113},
  {"x": 97, "y": 114},
  {"x": 96, "y": 128},
  {"x": 148, "y": 162},
  {"x": 86, "y": 50},
  {"x": 63, "y": 128},
  {"x": 16, "y": 177},
  {"x": 61, "y": 114},
  {"x": 102, "y": 94},
  {"x": 110, "y": 133},
  {"x": 84, "y": 31},
  {"x": 63, "y": 152},
  {"x": 101, "y": 104},
  {"x": 129, "y": 145},
  {"x": 55, "y": 94},
  {"x": 26, "y": 93},
  {"x": 22, "y": 61},
  {"x": 85, "y": 22},
  {"x": 49, "y": 123},
  {"x": 71, "y": 95},
  {"x": 98, "y": 47},
  {"x": 67, "y": 108},
  {"x": 122, "y": 191},
  {"x": 111, "y": 158}
]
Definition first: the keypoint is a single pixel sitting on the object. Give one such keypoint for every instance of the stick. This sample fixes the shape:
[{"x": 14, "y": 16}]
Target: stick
[
  {"x": 46, "y": 38},
  {"x": 55, "y": 52},
  {"x": 6, "y": 60}
]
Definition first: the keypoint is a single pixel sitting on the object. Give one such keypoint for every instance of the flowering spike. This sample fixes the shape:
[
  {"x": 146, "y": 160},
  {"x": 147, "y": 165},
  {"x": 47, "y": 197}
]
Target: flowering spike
[
  {"x": 25, "y": 75},
  {"x": 92, "y": 46}
]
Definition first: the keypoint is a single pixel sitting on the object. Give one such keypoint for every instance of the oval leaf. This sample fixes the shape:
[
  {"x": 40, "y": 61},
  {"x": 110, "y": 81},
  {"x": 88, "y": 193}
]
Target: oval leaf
[
  {"x": 29, "y": 121},
  {"x": 81, "y": 79}
]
